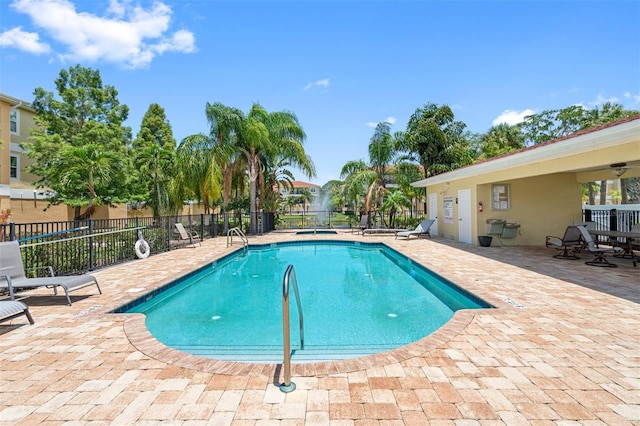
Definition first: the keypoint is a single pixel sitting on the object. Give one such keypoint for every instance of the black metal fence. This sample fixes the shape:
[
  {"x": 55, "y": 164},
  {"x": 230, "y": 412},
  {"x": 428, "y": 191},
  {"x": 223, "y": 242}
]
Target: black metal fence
[{"x": 74, "y": 247}]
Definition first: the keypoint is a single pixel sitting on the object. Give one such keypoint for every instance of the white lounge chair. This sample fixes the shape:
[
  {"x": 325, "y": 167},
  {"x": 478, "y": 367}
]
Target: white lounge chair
[
  {"x": 13, "y": 276},
  {"x": 10, "y": 309},
  {"x": 421, "y": 230}
]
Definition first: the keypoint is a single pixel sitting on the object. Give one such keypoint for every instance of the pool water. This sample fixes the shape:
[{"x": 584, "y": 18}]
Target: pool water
[{"x": 356, "y": 299}]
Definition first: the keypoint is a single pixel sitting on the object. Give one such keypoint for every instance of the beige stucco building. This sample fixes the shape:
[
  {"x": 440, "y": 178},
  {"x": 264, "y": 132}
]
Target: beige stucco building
[
  {"x": 538, "y": 188},
  {"x": 18, "y": 193}
]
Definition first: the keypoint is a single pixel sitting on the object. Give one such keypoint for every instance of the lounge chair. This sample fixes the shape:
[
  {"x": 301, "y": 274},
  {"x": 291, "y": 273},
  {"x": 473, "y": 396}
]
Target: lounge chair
[
  {"x": 364, "y": 223},
  {"x": 10, "y": 309},
  {"x": 568, "y": 245},
  {"x": 192, "y": 236},
  {"x": 599, "y": 252},
  {"x": 13, "y": 276},
  {"x": 421, "y": 230}
]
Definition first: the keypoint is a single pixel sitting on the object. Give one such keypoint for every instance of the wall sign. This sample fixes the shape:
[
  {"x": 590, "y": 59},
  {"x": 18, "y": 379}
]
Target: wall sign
[
  {"x": 500, "y": 197},
  {"x": 448, "y": 209}
]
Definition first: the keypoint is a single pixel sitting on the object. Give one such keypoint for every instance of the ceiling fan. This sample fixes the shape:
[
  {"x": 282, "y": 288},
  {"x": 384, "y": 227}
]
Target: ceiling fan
[{"x": 618, "y": 169}]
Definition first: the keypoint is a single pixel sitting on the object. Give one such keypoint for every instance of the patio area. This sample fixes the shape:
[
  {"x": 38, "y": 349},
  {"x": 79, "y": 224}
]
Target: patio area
[{"x": 562, "y": 347}]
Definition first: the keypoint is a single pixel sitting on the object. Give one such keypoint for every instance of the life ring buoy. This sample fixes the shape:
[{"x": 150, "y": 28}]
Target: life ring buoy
[{"x": 142, "y": 249}]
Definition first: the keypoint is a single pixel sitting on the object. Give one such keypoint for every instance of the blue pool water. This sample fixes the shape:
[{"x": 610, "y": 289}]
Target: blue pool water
[{"x": 357, "y": 299}]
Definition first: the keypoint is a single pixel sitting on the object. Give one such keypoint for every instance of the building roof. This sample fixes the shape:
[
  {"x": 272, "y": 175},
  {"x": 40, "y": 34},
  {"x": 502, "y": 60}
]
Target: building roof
[
  {"x": 620, "y": 132},
  {"x": 15, "y": 102},
  {"x": 300, "y": 184}
]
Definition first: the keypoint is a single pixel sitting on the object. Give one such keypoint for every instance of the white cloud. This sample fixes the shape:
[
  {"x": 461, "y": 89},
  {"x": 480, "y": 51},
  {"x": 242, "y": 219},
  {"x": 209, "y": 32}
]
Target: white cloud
[
  {"x": 321, "y": 83},
  {"x": 22, "y": 40},
  {"x": 390, "y": 120},
  {"x": 126, "y": 34},
  {"x": 630, "y": 96},
  {"x": 511, "y": 117},
  {"x": 602, "y": 100}
]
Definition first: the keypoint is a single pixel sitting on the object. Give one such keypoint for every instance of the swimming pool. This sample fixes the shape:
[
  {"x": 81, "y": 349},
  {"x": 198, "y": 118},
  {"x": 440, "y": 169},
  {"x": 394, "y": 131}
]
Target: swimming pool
[{"x": 357, "y": 299}]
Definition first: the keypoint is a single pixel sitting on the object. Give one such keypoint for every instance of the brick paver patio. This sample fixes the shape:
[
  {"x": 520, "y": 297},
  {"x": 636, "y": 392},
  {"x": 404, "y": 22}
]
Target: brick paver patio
[{"x": 562, "y": 348}]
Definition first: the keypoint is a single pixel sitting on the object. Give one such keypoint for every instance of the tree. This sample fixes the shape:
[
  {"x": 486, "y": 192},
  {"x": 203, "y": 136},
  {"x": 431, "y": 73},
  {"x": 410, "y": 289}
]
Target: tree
[
  {"x": 395, "y": 201},
  {"x": 154, "y": 155},
  {"x": 332, "y": 195},
  {"x": 501, "y": 139},
  {"x": 86, "y": 121},
  {"x": 437, "y": 139},
  {"x": 264, "y": 135},
  {"x": 375, "y": 175},
  {"x": 552, "y": 124},
  {"x": 224, "y": 124},
  {"x": 306, "y": 198}
]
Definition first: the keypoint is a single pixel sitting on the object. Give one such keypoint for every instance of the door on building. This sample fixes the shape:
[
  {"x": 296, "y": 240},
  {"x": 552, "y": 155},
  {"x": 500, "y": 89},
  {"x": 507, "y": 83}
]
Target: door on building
[
  {"x": 464, "y": 216},
  {"x": 433, "y": 213}
]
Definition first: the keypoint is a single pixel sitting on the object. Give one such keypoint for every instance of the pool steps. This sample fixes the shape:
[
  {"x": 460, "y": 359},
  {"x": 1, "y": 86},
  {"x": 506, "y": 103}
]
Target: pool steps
[{"x": 273, "y": 354}]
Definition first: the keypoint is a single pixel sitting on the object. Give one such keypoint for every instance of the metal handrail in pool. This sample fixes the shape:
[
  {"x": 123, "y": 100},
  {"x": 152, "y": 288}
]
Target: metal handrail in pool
[
  {"x": 239, "y": 233},
  {"x": 290, "y": 276}
]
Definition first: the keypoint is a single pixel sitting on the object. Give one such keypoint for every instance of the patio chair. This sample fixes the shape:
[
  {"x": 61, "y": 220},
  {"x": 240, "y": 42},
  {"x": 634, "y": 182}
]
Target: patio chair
[
  {"x": 191, "y": 236},
  {"x": 568, "y": 245},
  {"x": 421, "y": 230},
  {"x": 13, "y": 276},
  {"x": 599, "y": 252},
  {"x": 10, "y": 309},
  {"x": 364, "y": 223}
]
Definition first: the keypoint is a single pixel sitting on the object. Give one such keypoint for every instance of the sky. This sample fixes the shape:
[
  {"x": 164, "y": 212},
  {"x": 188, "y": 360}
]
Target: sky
[{"x": 340, "y": 66}]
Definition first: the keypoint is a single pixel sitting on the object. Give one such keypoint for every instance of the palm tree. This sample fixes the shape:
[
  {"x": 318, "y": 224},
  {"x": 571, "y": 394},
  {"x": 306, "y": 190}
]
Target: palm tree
[
  {"x": 376, "y": 174},
  {"x": 224, "y": 124},
  {"x": 264, "y": 136},
  {"x": 90, "y": 164},
  {"x": 305, "y": 198},
  {"x": 199, "y": 162},
  {"x": 395, "y": 201}
]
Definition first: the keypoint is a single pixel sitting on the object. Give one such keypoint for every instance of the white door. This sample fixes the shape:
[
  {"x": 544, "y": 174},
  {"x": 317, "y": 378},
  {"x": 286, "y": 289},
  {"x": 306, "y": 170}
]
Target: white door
[
  {"x": 433, "y": 213},
  {"x": 464, "y": 216}
]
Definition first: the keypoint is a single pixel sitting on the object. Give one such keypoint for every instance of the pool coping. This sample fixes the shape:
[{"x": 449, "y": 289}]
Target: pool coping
[{"x": 139, "y": 336}]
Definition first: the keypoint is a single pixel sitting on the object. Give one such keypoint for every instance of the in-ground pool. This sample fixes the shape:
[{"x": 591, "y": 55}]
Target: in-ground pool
[{"x": 357, "y": 299}]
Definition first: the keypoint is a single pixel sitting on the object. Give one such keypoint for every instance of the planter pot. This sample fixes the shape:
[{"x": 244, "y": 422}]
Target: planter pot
[{"x": 485, "y": 240}]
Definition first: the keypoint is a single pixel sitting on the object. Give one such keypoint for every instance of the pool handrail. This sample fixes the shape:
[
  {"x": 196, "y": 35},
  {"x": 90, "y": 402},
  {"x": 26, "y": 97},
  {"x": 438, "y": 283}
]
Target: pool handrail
[
  {"x": 239, "y": 233},
  {"x": 290, "y": 277}
]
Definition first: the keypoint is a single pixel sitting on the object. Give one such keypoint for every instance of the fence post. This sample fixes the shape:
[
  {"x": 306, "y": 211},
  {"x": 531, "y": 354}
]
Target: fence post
[
  {"x": 91, "y": 254},
  {"x": 613, "y": 220},
  {"x": 202, "y": 226},
  {"x": 168, "y": 221},
  {"x": 12, "y": 231}
]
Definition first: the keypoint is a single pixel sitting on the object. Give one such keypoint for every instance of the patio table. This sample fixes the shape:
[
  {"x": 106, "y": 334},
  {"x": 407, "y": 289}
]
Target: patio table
[{"x": 627, "y": 245}]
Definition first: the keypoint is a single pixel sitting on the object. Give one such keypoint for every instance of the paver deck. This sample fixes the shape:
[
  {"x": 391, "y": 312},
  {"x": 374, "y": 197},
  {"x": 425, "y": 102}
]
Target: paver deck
[{"x": 563, "y": 347}]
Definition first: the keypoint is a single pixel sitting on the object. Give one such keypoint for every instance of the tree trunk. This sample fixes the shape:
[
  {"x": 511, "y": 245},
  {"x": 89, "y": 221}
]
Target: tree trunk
[
  {"x": 623, "y": 191},
  {"x": 226, "y": 193},
  {"x": 603, "y": 192},
  {"x": 253, "y": 180},
  {"x": 592, "y": 195}
]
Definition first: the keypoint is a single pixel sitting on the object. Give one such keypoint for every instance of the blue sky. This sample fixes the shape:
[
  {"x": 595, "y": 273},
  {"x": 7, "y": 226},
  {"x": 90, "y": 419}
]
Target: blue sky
[{"x": 340, "y": 66}]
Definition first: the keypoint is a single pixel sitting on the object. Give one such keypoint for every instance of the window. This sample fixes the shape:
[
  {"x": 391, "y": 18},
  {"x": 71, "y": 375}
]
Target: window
[
  {"x": 14, "y": 167},
  {"x": 500, "y": 197},
  {"x": 14, "y": 124}
]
